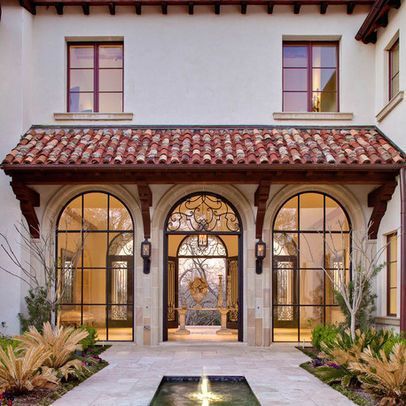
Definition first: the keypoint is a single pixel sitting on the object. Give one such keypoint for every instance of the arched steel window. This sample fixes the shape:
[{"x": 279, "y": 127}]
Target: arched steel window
[
  {"x": 95, "y": 262},
  {"x": 311, "y": 237}
]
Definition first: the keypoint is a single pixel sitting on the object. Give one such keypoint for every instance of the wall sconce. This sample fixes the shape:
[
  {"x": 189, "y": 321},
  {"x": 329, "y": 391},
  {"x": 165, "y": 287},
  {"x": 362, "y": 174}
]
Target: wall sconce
[
  {"x": 146, "y": 255},
  {"x": 260, "y": 254}
]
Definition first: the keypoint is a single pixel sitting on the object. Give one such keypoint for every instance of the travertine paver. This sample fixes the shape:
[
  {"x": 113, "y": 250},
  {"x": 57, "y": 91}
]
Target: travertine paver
[{"x": 135, "y": 372}]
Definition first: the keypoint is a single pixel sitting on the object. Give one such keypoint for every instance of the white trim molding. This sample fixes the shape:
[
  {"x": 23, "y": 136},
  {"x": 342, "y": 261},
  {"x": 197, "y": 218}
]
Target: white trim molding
[
  {"x": 93, "y": 116},
  {"x": 392, "y": 103},
  {"x": 312, "y": 116}
]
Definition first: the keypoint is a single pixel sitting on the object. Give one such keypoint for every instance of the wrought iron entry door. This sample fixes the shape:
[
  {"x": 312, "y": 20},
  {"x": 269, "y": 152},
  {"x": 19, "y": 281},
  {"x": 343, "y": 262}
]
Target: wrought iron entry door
[
  {"x": 120, "y": 297},
  {"x": 232, "y": 280},
  {"x": 173, "y": 297},
  {"x": 285, "y": 290}
]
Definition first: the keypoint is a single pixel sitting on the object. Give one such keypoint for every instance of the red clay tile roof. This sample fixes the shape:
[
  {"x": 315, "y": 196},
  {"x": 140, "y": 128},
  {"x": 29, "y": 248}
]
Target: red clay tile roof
[{"x": 116, "y": 146}]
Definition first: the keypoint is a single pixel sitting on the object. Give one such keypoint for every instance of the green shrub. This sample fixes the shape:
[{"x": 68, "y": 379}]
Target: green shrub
[
  {"x": 90, "y": 340},
  {"x": 39, "y": 310},
  {"x": 7, "y": 341},
  {"x": 324, "y": 334},
  {"x": 391, "y": 341}
]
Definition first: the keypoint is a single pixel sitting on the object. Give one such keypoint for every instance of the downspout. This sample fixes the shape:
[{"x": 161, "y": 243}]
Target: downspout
[{"x": 403, "y": 250}]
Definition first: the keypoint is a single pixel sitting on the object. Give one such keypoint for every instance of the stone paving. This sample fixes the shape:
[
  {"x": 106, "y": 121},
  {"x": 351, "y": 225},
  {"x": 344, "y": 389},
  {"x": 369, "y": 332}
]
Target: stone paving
[{"x": 135, "y": 372}]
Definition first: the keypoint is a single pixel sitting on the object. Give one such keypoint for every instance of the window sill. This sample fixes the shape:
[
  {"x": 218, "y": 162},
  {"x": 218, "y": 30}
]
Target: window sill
[
  {"x": 312, "y": 116},
  {"x": 93, "y": 116},
  {"x": 388, "y": 321},
  {"x": 390, "y": 106}
]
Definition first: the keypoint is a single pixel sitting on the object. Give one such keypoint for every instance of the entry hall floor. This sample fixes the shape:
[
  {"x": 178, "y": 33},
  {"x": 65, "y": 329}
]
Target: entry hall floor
[{"x": 135, "y": 372}]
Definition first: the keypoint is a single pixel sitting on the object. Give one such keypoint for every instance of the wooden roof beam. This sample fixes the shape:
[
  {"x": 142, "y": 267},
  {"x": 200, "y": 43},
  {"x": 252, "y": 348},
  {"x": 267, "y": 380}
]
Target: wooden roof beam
[
  {"x": 260, "y": 198},
  {"x": 244, "y": 7},
  {"x": 217, "y": 9},
  {"x": 378, "y": 199},
  {"x": 323, "y": 7},
  {"x": 145, "y": 195},
  {"x": 86, "y": 9},
  {"x": 29, "y": 199},
  {"x": 190, "y": 8},
  {"x": 29, "y": 6},
  {"x": 112, "y": 8},
  {"x": 59, "y": 8},
  {"x": 350, "y": 7},
  {"x": 138, "y": 8},
  {"x": 270, "y": 7},
  {"x": 296, "y": 7},
  {"x": 164, "y": 8}
]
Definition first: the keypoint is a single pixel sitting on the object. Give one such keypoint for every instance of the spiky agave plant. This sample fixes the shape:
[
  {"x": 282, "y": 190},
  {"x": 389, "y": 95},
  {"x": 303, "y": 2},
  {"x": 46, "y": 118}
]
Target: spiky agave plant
[
  {"x": 23, "y": 371},
  {"x": 61, "y": 342},
  {"x": 383, "y": 375}
]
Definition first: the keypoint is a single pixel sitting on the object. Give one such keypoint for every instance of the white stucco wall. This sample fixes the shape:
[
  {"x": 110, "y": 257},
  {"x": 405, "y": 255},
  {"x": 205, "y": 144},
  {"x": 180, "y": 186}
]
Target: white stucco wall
[{"x": 200, "y": 69}]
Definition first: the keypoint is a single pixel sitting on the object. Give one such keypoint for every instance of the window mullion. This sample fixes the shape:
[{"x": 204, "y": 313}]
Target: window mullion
[{"x": 96, "y": 78}]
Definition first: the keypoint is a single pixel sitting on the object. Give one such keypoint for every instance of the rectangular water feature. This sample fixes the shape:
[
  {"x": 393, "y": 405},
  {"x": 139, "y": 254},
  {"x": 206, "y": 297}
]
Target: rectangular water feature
[{"x": 204, "y": 391}]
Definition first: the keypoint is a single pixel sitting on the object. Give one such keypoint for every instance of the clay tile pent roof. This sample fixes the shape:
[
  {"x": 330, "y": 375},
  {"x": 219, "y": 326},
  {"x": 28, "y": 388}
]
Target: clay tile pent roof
[{"x": 50, "y": 147}]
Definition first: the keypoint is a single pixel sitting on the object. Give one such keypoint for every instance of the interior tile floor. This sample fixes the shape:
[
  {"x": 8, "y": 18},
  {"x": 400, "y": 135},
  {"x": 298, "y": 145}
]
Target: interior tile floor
[
  {"x": 203, "y": 334},
  {"x": 135, "y": 372}
]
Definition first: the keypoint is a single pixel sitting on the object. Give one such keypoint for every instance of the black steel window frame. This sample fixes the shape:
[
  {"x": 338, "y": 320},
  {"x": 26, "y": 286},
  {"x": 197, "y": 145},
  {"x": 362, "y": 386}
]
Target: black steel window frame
[{"x": 82, "y": 232}]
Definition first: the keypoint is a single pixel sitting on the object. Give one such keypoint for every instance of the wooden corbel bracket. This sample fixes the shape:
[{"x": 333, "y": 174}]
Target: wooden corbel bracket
[
  {"x": 260, "y": 199},
  {"x": 145, "y": 195}
]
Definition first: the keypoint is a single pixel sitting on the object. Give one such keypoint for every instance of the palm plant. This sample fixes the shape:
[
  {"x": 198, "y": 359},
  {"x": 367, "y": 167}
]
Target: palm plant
[
  {"x": 61, "y": 342},
  {"x": 22, "y": 371},
  {"x": 383, "y": 375}
]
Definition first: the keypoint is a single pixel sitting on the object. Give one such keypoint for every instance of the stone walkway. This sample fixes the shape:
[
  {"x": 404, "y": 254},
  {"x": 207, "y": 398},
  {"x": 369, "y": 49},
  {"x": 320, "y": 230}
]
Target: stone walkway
[{"x": 135, "y": 372}]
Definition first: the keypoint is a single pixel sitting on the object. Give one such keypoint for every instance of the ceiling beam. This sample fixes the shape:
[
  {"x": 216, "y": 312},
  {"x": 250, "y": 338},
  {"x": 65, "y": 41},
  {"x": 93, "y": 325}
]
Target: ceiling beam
[
  {"x": 296, "y": 7},
  {"x": 112, "y": 8},
  {"x": 164, "y": 8},
  {"x": 270, "y": 7},
  {"x": 190, "y": 8},
  {"x": 244, "y": 7},
  {"x": 260, "y": 198},
  {"x": 86, "y": 9},
  {"x": 29, "y": 6},
  {"x": 378, "y": 200},
  {"x": 350, "y": 7},
  {"x": 138, "y": 8},
  {"x": 323, "y": 7},
  {"x": 29, "y": 199},
  {"x": 59, "y": 8},
  {"x": 217, "y": 8}
]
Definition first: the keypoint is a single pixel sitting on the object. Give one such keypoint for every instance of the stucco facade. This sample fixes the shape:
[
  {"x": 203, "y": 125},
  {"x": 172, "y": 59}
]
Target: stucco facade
[{"x": 183, "y": 70}]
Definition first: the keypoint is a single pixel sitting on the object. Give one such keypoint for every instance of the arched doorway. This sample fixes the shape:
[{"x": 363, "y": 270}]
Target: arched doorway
[
  {"x": 95, "y": 265},
  {"x": 311, "y": 236},
  {"x": 203, "y": 250}
]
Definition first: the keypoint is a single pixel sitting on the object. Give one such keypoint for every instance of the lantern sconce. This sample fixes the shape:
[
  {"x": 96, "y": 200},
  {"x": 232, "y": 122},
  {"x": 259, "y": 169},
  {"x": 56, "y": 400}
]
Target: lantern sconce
[
  {"x": 260, "y": 254},
  {"x": 146, "y": 255}
]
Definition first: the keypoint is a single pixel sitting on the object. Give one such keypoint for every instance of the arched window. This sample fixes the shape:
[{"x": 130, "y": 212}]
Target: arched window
[
  {"x": 95, "y": 260},
  {"x": 311, "y": 237}
]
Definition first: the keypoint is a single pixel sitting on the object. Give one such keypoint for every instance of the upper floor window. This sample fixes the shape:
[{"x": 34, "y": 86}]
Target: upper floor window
[
  {"x": 310, "y": 76},
  {"x": 95, "y": 77},
  {"x": 394, "y": 70},
  {"x": 392, "y": 274}
]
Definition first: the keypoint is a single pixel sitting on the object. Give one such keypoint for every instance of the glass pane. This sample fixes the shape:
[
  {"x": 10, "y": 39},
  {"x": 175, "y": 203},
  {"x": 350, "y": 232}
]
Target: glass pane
[
  {"x": 295, "y": 79},
  {"x": 395, "y": 85},
  {"x": 285, "y": 323},
  {"x": 81, "y": 80},
  {"x": 95, "y": 316},
  {"x": 110, "y": 56},
  {"x": 311, "y": 211},
  {"x": 393, "y": 244},
  {"x": 336, "y": 277},
  {"x": 324, "y": 80},
  {"x": 285, "y": 244},
  {"x": 69, "y": 249},
  {"x": 81, "y": 56},
  {"x": 295, "y": 101},
  {"x": 69, "y": 316},
  {"x": 95, "y": 211},
  {"x": 120, "y": 323},
  {"x": 324, "y": 102},
  {"x": 81, "y": 102},
  {"x": 393, "y": 275},
  {"x": 71, "y": 217},
  {"x": 95, "y": 250},
  {"x": 311, "y": 286},
  {"x": 110, "y": 80},
  {"x": 324, "y": 56},
  {"x": 337, "y": 250},
  {"x": 334, "y": 315},
  {"x": 285, "y": 286},
  {"x": 336, "y": 220},
  {"x": 310, "y": 317},
  {"x": 70, "y": 282},
  {"x": 121, "y": 244},
  {"x": 287, "y": 216},
  {"x": 393, "y": 301},
  {"x": 94, "y": 286},
  {"x": 110, "y": 102},
  {"x": 394, "y": 52},
  {"x": 311, "y": 250},
  {"x": 119, "y": 217},
  {"x": 295, "y": 56}
]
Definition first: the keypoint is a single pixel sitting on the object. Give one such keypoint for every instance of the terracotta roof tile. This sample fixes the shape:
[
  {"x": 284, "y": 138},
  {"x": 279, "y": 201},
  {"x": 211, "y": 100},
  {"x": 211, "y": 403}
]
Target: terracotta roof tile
[{"x": 195, "y": 146}]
